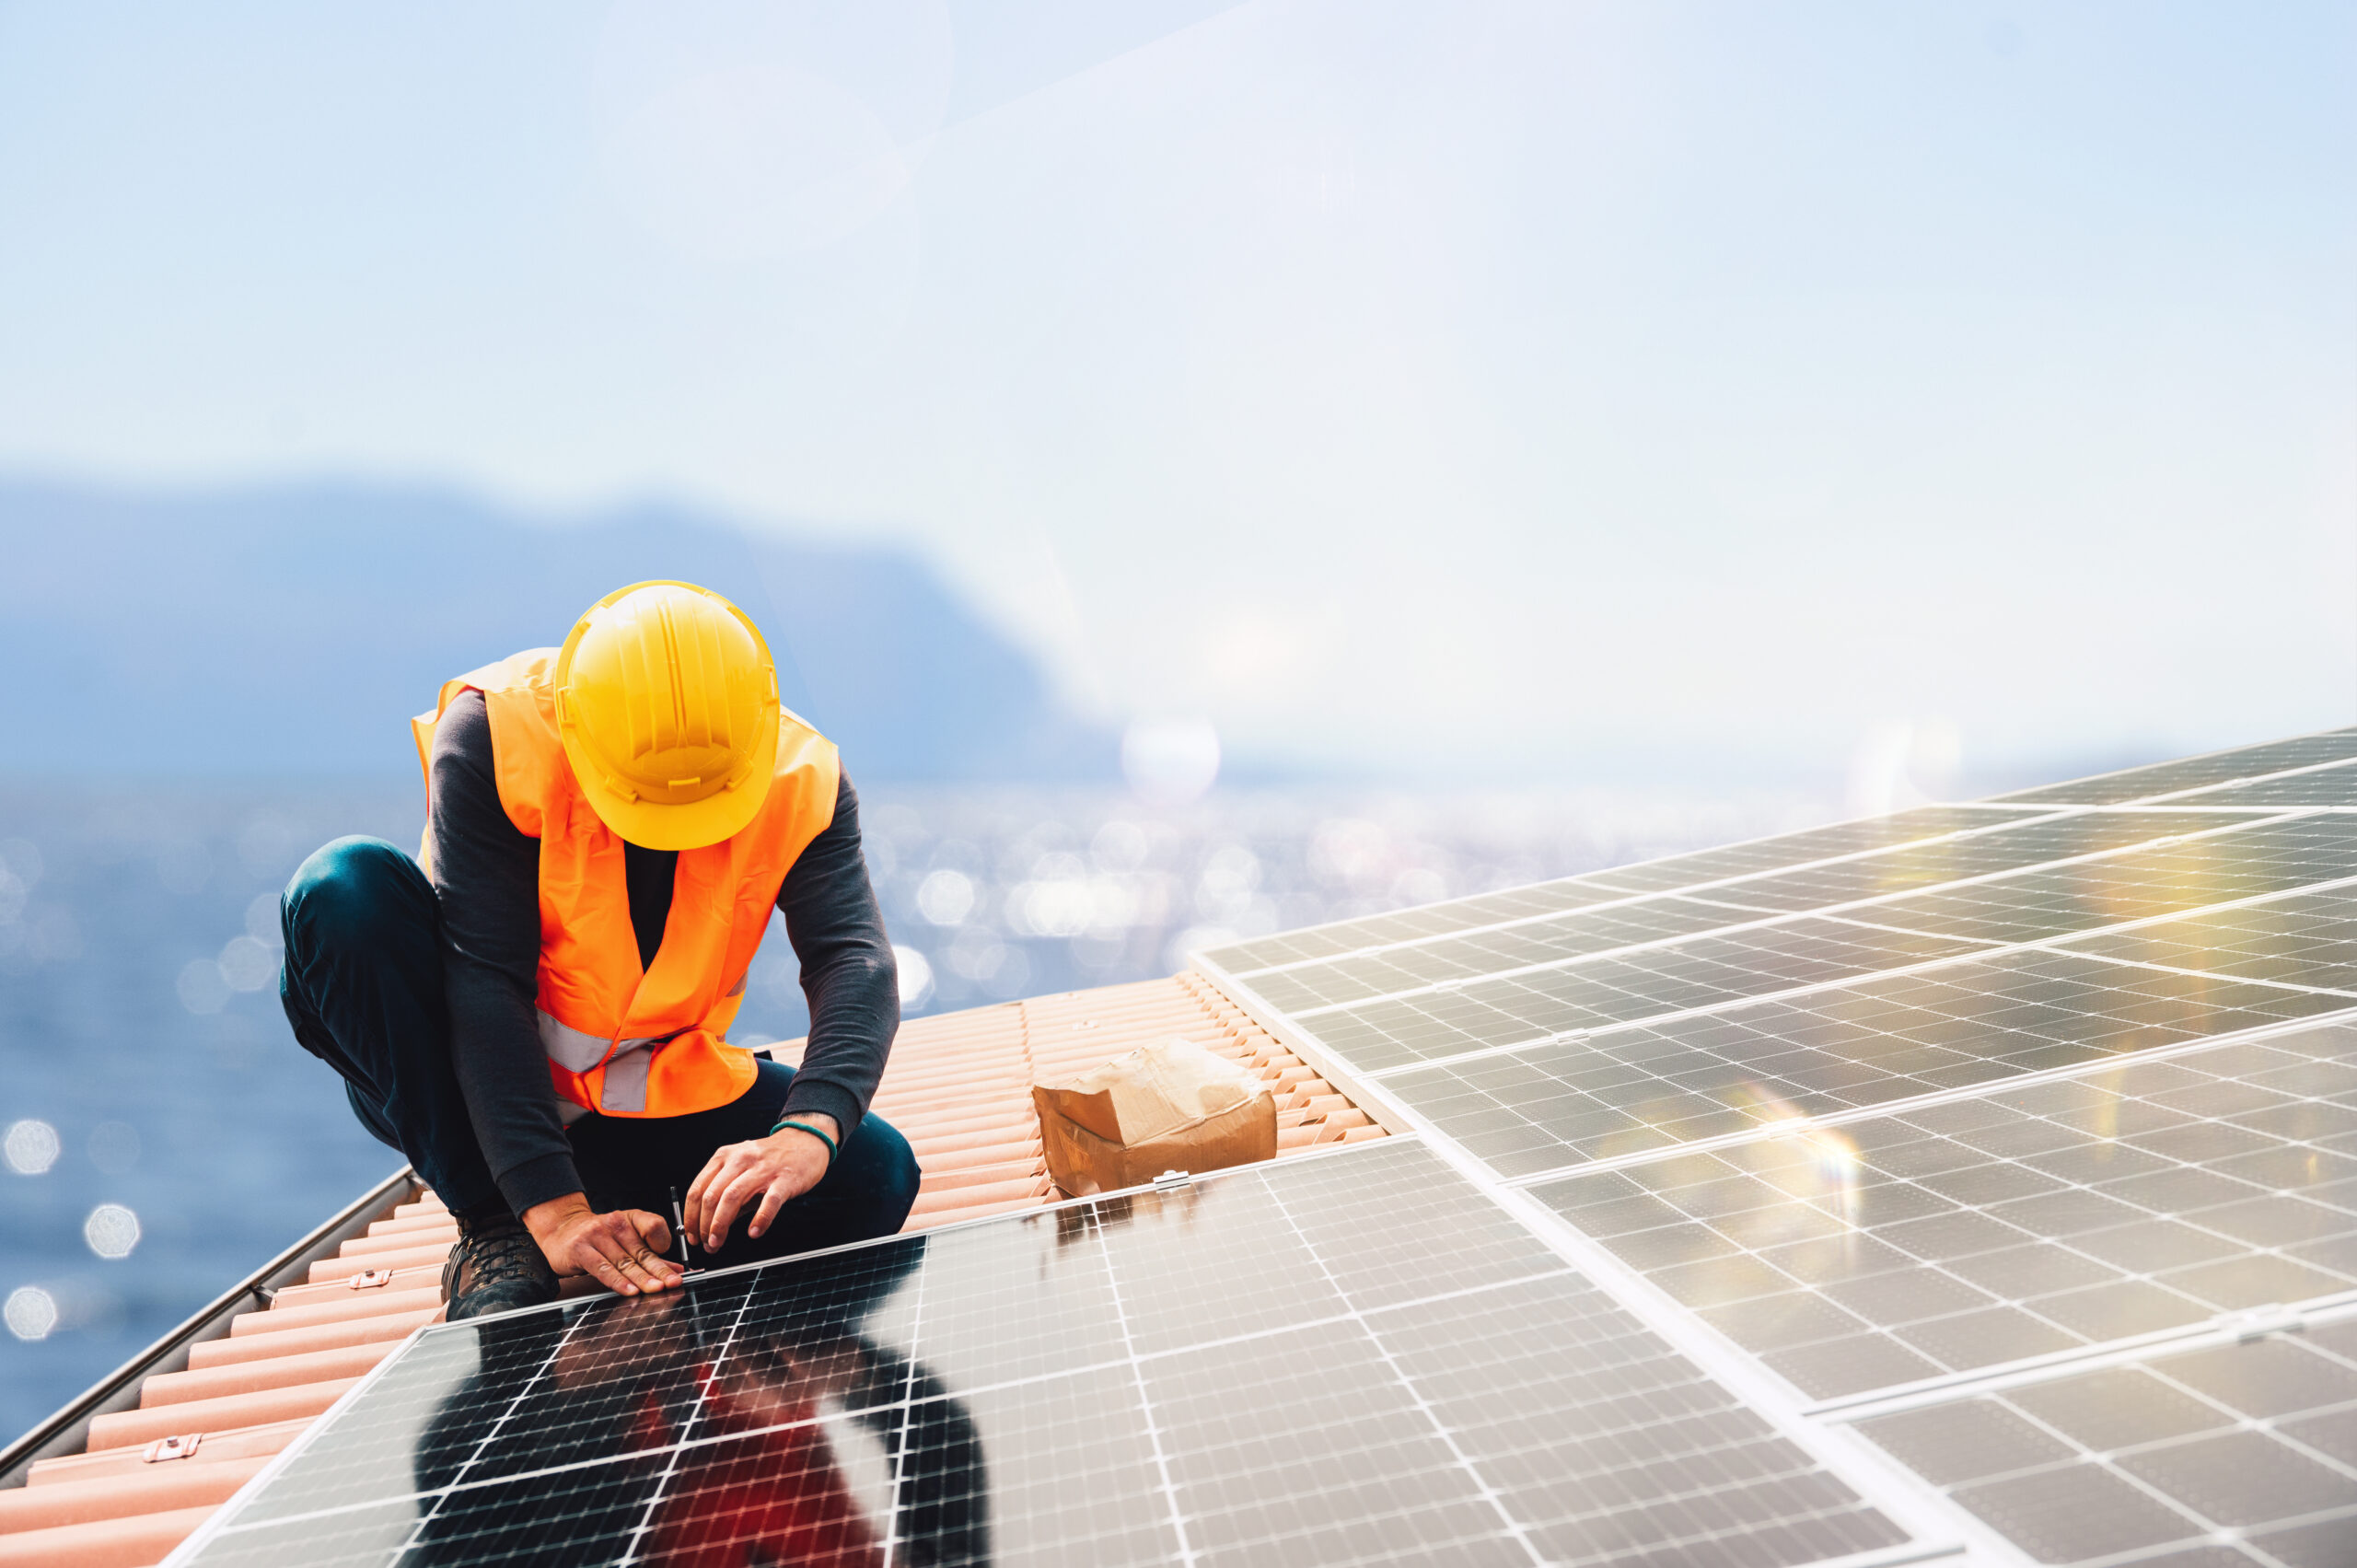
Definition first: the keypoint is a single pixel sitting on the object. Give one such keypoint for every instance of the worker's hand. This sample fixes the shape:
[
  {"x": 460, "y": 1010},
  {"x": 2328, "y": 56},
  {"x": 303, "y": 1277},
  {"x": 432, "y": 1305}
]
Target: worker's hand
[
  {"x": 623, "y": 1249},
  {"x": 776, "y": 1169}
]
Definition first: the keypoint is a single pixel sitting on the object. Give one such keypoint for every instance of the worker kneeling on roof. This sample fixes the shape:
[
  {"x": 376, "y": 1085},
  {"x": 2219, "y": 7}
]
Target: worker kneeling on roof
[{"x": 538, "y": 1019}]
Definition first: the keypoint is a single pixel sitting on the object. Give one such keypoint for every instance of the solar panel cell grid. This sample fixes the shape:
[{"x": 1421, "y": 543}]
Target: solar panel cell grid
[
  {"x": 1297, "y": 1363},
  {"x": 1714, "y": 969},
  {"x": 1363, "y": 975},
  {"x": 2240, "y": 1455},
  {"x": 2334, "y": 786},
  {"x": 1988, "y": 852},
  {"x": 1706, "y": 971},
  {"x": 2191, "y": 773},
  {"x": 1392, "y": 970},
  {"x": 1602, "y": 886},
  {"x": 2043, "y": 904},
  {"x": 1428, "y": 920},
  {"x": 2150, "y": 1196},
  {"x": 2304, "y": 939},
  {"x": 1794, "y": 849},
  {"x": 1891, "y": 1038}
]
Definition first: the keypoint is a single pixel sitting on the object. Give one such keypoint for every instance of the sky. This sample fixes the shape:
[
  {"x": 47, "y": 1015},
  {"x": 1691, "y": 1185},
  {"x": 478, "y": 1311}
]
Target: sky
[{"x": 1453, "y": 391}]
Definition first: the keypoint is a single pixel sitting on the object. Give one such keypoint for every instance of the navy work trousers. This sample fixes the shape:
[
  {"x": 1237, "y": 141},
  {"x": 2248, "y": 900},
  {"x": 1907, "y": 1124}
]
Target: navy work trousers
[{"x": 363, "y": 987}]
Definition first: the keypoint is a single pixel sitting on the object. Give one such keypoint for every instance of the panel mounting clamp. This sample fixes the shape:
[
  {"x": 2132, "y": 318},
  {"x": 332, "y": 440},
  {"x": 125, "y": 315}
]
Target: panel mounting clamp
[
  {"x": 369, "y": 1279},
  {"x": 181, "y": 1446}
]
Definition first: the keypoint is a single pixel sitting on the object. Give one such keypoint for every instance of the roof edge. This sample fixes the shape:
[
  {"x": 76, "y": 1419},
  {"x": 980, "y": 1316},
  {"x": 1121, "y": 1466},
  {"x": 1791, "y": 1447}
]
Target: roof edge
[{"x": 66, "y": 1431}]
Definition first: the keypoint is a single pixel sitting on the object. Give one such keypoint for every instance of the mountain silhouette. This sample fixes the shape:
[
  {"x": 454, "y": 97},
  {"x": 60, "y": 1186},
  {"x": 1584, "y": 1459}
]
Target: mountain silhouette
[{"x": 290, "y": 629}]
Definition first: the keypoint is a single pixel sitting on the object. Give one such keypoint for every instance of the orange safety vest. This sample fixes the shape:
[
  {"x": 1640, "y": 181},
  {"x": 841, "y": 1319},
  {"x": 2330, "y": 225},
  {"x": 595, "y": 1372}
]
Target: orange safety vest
[{"x": 620, "y": 1040}]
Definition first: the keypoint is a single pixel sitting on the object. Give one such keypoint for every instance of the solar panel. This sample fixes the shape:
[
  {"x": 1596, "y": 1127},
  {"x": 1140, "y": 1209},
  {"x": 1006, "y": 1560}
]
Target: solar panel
[
  {"x": 1617, "y": 1093},
  {"x": 2333, "y": 784},
  {"x": 2110, "y": 1126},
  {"x": 1880, "y": 1251},
  {"x": 2193, "y": 772},
  {"x": 2140, "y": 884},
  {"x": 1354, "y": 1357},
  {"x": 2301, "y": 939},
  {"x": 1454, "y": 1019},
  {"x": 1783, "y": 950},
  {"x": 1647, "y": 918},
  {"x": 1604, "y": 887}
]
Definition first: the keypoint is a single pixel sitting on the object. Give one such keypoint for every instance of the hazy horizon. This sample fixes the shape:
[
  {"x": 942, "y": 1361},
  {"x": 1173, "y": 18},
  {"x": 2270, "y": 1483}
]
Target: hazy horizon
[{"x": 1611, "y": 381}]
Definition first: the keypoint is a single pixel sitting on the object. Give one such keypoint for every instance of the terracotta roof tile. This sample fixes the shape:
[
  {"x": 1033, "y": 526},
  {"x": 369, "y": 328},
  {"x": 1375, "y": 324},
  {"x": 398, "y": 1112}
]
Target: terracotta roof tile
[{"x": 959, "y": 1086}]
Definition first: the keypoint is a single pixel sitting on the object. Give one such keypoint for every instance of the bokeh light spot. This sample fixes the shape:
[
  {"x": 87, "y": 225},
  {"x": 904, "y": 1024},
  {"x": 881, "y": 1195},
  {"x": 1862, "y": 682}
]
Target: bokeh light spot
[
  {"x": 31, "y": 1312},
  {"x": 32, "y": 1146},
  {"x": 111, "y": 1231}
]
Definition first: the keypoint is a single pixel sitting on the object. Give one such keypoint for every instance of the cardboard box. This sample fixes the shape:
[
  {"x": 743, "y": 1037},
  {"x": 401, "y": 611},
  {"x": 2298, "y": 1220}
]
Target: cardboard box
[{"x": 1170, "y": 1106}]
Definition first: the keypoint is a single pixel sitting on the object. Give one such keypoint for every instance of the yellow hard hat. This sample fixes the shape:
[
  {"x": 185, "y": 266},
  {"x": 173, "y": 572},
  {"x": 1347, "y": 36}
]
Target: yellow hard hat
[{"x": 667, "y": 703}]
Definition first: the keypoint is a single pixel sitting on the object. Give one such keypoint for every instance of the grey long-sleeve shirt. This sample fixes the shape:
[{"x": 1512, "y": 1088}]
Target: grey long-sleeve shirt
[{"x": 486, "y": 878}]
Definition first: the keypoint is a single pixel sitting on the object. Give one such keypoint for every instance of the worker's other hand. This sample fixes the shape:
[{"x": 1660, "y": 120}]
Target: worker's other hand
[
  {"x": 776, "y": 1170},
  {"x": 623, "y": 1249}
]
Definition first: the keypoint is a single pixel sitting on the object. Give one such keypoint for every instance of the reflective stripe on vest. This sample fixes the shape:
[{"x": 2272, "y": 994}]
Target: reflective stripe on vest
[
  {"x": 623, "y": 1092},
  {"x": 622, "y": 1039}
]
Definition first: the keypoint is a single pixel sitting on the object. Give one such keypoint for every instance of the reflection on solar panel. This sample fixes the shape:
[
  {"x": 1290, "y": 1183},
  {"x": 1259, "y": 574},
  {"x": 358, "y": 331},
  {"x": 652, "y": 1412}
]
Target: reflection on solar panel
[
  {"x": 1354, "y": 1358},
  {"x": 1980, "y": 1179},
  {"x": 1972, "y": 1196},
  {"x": 1975, "y": 1232},
  {"x": 2302, "y": 939},
  {"x": 1619, "y": 1093}
]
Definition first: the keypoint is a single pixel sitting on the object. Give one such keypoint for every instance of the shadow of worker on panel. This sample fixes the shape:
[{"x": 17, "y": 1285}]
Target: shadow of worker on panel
[{"x": 690, "y": 1429}]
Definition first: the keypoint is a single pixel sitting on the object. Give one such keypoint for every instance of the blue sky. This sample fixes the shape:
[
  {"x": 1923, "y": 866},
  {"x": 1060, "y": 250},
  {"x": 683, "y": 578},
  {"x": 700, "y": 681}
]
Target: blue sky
[{"x": 1529, "y": 389}]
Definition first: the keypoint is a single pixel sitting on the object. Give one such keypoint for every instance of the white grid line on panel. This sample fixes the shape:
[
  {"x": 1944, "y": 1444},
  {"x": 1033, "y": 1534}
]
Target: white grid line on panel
[
  {"x": 1167, "y": 1481},
  {"x": 425, "y": 1517},
  {"x": 1514, "y": 1527},
  {"x": 900, "y": 1449},
  {"x": 695, "y": 1418}
]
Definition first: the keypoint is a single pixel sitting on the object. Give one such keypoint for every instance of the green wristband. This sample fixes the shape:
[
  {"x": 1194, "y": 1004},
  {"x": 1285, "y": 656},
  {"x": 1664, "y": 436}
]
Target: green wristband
[{"x": 832, "y": 1148}]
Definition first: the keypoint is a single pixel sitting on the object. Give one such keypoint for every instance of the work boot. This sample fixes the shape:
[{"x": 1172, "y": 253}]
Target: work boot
[{"x": 496, "y": 1267}]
